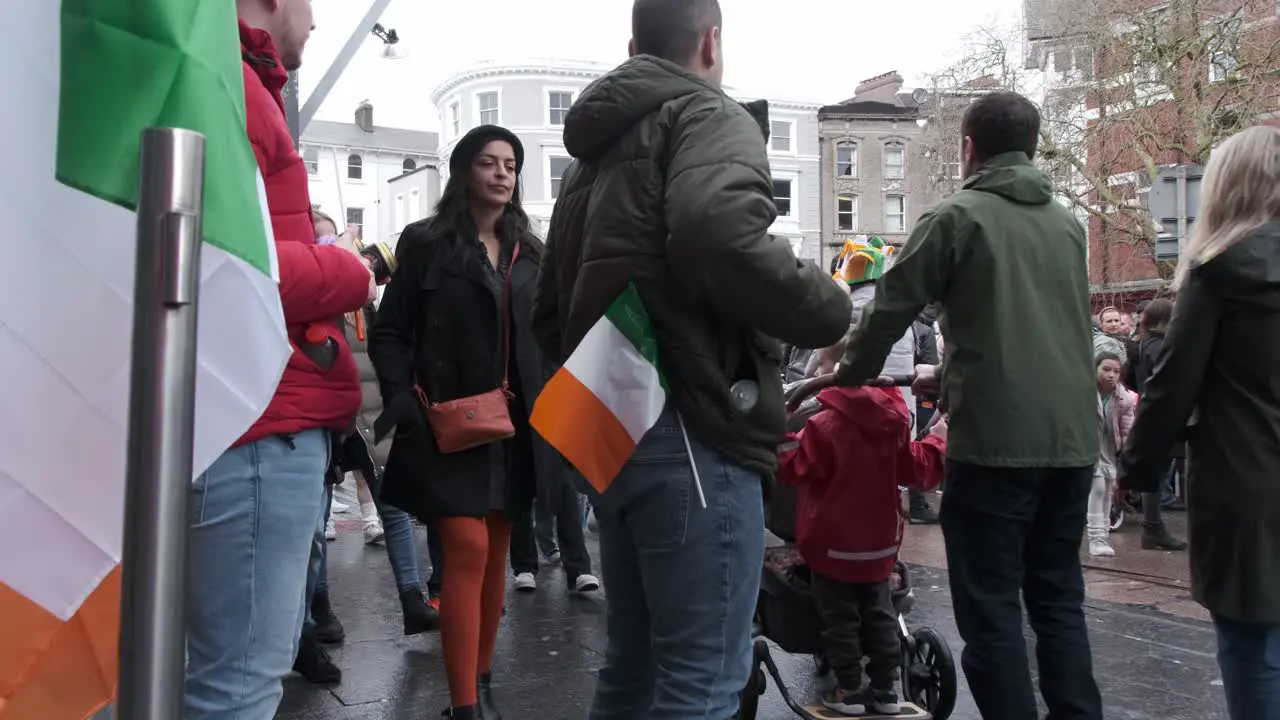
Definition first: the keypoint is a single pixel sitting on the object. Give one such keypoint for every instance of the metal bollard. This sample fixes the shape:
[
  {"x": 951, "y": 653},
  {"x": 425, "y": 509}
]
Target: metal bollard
[{"x": 161, "y": 425}]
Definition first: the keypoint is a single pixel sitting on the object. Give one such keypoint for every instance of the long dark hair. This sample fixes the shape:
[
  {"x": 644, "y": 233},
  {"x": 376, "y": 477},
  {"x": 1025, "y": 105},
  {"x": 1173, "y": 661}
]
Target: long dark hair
[{"x": 452, "y": 223}]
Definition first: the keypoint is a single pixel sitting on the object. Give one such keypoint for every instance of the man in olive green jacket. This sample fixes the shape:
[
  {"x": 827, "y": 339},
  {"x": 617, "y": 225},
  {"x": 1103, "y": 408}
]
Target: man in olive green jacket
[
  {"x": 1008, "y": 264},
  {"x": 671, "y": 191}
]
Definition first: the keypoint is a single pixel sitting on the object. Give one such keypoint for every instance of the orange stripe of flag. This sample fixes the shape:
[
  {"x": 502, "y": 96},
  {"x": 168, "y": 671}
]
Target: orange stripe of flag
[
  {"x": 586, "y": 432},
  {"x": 54, "y": 670}
]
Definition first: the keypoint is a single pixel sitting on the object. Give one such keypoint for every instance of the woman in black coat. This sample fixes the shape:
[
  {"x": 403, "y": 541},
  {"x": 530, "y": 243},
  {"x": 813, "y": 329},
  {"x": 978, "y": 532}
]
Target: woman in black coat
[
  {"x": 442, "y": 328},
  {"x": 1220, "y": 368}
]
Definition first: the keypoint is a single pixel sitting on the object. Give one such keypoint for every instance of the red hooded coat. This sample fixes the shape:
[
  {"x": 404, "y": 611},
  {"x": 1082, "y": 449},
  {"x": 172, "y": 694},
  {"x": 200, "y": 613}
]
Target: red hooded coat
[
  {"x": 851, "y": 458},
  {"x": 317, "y": 284}
]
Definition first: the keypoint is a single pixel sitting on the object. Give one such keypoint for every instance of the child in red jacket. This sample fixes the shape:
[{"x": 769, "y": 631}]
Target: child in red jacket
[{"x": 847, "y": 464}]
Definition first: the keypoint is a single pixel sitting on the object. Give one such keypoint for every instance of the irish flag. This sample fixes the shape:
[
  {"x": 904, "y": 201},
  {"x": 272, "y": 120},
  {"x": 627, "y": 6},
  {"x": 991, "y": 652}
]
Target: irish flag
[
  {"x": 84, "y": 78},
  {"x": 608, "y": 394}
]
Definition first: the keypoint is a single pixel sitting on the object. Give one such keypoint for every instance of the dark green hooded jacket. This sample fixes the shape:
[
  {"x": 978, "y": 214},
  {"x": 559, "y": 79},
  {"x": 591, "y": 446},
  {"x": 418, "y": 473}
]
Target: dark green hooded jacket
[{"x": 1009, "y": 265}]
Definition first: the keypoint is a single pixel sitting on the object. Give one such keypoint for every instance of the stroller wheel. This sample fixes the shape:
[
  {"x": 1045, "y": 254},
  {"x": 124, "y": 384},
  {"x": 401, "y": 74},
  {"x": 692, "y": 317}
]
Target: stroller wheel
[{"x": 929, "y": 679}]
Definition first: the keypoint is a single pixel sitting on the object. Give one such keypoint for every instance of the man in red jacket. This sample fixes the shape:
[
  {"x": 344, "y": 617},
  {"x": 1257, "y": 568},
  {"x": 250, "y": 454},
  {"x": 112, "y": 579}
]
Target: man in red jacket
[{"x": 254, "y": 512}]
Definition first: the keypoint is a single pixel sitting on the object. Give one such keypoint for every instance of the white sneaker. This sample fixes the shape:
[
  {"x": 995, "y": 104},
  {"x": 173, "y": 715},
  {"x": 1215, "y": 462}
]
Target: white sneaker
[
  {"x": 373, "y": 532},
  {"x": 330, "y": 530},
  {"x": 586, "y": 583},
  {"x": 525, "y": 582},
  {"x": 1099, "y": 547}
]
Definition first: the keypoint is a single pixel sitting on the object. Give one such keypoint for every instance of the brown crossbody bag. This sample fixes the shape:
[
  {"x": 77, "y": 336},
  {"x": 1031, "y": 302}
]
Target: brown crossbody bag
[{"x": 477, "y": 420}]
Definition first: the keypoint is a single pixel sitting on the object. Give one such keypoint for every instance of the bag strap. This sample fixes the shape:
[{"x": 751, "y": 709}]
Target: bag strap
[{"x": 506, "y": 317}]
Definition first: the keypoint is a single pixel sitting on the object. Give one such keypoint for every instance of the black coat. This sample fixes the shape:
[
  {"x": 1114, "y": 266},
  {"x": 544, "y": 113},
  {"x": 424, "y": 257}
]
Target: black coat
[
  {"x": 1221, "y": 360},
  {"x": 440, "y": 322}
]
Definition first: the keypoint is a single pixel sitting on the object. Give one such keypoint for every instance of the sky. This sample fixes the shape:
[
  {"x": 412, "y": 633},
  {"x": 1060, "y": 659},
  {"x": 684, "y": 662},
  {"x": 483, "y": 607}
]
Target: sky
[{"x": 803, "y": 50}]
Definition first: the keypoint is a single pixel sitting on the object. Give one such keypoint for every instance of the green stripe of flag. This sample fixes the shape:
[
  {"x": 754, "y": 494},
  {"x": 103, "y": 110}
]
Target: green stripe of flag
[
  {"x": 132, "y": 64},
  {"x": 629, "y": 316}
]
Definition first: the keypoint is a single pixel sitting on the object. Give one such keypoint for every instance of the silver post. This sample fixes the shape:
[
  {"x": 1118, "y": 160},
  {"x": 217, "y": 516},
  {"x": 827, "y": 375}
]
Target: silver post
[
  {"x": 1182, "y": 208},
  {"x": 161, "y": 425}
]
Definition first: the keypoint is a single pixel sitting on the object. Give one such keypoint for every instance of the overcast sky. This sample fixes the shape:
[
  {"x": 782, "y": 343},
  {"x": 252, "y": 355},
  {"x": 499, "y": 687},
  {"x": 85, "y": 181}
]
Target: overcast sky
[{"x": 810, "y": 50}]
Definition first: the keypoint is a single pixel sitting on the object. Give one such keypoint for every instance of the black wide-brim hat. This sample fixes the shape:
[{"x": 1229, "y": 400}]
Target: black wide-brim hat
[{"x": 464, "y": 153}]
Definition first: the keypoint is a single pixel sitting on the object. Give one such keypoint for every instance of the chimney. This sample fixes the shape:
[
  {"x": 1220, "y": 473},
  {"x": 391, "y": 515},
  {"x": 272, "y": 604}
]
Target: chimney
[
  {"x": 881, "y": 88},
  {"x": 364, "y": 116}
]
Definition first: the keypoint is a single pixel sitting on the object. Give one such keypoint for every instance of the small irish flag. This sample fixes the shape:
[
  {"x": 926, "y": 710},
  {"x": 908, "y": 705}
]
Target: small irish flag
[
  {"x": 85, "y": 78},
  {"x": 611, "y": 390}
]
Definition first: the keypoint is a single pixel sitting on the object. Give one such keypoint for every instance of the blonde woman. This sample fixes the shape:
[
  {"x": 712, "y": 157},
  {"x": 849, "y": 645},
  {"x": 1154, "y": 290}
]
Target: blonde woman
[{"x": 1220, "y": 371}]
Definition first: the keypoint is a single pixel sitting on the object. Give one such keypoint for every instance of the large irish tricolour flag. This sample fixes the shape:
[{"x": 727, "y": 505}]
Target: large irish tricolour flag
[
  {"x": 83, "y": 78},
  {"x": 609, "y": 393}
]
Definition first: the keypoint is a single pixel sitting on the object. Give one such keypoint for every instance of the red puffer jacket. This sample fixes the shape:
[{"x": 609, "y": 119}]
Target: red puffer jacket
[
  {"x": 851, "y": 458},
  {"x": 317, "y": 284}
]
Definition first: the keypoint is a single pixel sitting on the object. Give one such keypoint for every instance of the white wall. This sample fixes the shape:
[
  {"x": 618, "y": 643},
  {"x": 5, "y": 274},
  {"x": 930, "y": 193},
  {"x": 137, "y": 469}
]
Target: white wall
[{"x": 335, "y": 193}]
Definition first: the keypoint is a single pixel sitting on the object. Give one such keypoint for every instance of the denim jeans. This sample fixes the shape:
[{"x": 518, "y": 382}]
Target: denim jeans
[
  {"x": 1249, "y": 656},
  {"x": 398, "y": 537},
  {"x": 1013, "y": 536},
  {"x": 253, "y": 516},
  {"x": 682, "y": 581},
  {"x": 557, "y": 515}
]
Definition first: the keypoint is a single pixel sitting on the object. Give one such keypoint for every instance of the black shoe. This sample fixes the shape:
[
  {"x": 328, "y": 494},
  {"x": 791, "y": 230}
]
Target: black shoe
[
  {"x": 923, "y": 516},
  {"x": 328, "y": 629},
  {"x": 313, "y": 662},
  {"x": 419, "y": 616},
  {"x": 484, "y": 693},
  {"x": 460, "y": 713},
  {"x": 1156, "y": 537}
]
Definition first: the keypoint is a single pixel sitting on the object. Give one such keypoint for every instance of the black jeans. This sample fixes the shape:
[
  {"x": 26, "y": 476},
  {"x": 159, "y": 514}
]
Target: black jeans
[
  {"x": 858, "y": 621},
  {"x": 1014, "y": 532},
  {"x": 560, "y": 501}
]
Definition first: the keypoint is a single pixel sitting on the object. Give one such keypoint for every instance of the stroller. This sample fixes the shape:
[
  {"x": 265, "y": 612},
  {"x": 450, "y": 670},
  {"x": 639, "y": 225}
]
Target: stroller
[{"x": 787, "y": 616}]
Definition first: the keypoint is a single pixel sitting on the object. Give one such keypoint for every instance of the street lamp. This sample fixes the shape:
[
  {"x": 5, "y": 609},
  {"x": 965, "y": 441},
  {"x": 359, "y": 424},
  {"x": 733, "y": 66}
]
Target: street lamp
[{"x": 391, "y": 47}]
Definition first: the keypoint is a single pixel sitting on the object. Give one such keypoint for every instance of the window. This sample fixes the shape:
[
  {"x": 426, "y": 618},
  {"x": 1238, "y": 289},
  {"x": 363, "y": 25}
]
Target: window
[
  {"x": 397, "y": 212},
  {"x": 556, "y": 167},
  {"x": 847, "y": 212},
  {"x": 895, "y": 213},
  {"x": 455, "y": 120},
  {"x": 780, "y": 136},
  {"x": 355, "y": 167},
  {"x": 1221, "y": 66},
  {"x": 409, "y": 165},
  {"x": 355, "y": 216},
  {"x": 415, "y": 206},
  {"x": 311, "y": 157},
  {"x": 895, "y": 159},
  {"x": 846, "y": 159},
  {"x": 558, "y": 103},
  {"x": 488, "y": 102},
  {"x": 782, "y": 197}
]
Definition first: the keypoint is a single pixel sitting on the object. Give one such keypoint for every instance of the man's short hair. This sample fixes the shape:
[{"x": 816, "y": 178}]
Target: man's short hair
[
  {"x": 671, "y": 29},
  {"x": 1002, "y": 122}
]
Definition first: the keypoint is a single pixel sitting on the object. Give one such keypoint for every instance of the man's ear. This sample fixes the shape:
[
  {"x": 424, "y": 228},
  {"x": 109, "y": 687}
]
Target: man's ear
[
  {"x": 631, "y": 47},
  {"x": 709, "y": 49}
]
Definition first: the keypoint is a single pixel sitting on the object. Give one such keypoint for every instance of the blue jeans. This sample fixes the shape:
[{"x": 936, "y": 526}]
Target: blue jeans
[
  {"x": 682, "y": 581},
  {"x": 253, "y": 515},
  {"x": 1249, "y": 656},
  {"x": 400, "y": 549}
]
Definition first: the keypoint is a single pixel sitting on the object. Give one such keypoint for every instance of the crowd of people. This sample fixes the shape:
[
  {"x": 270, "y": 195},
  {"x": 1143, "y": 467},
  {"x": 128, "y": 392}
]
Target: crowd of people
[{"x": 417, "y": 376}]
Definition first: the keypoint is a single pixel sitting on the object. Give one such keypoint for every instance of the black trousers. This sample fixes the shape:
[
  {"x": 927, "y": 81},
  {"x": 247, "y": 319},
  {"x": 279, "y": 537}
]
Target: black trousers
[
  {"x": 557, "y": 502},
  {"x": 858, "y": 620},
  {"x": 1013, "y": 536}
]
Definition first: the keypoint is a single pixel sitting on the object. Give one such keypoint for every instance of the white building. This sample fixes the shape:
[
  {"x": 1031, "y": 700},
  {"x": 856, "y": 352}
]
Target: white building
[
  {"x": 358, "y": 172},
  {"x": 532, "y": 98}
]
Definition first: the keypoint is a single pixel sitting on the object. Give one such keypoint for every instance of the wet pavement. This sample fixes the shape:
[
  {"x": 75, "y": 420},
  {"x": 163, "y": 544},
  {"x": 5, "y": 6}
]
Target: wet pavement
[{"x": 1153, "y": 652}]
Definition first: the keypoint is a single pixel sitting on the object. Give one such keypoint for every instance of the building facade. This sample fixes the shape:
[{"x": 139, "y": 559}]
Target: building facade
[
  {"x": 873, "y": 178},
  {"x": 532, "y": 99},
  {"x": 353, "y": 167}
]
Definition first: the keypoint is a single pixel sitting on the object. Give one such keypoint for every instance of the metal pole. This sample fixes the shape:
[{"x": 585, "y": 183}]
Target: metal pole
[
  {"x": 291, "y": 108},
  {"x": 161, "y": 425},
  {"x": 1182, "y": 208},
  {"x": 330, "y": 78}
]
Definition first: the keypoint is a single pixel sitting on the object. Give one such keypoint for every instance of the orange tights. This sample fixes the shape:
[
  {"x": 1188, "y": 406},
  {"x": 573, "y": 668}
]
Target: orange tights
[{"x": 472, "y": 597}]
